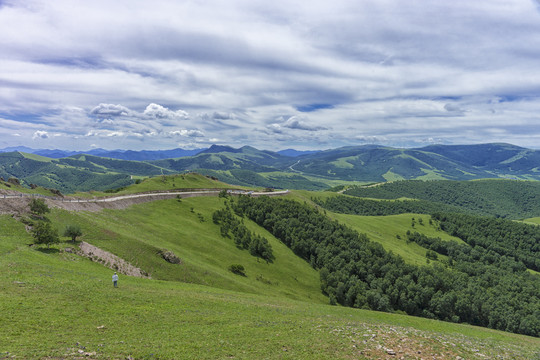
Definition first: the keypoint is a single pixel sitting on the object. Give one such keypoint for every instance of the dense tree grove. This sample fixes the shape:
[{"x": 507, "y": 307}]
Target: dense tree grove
[
  {"x": 501, "y": 198},
  {"x": 357, "y": 272},
  {"x": 499, "y": 237},
  {"x": 369, "y": 207},
  {"x": 243, "y": 238}
]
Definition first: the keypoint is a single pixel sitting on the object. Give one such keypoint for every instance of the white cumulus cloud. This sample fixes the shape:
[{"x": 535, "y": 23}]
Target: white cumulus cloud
[
  {"x": 110, "y": 110},
  {"x": 161, "y": 112},
  {"x": 40, "y": 134}
]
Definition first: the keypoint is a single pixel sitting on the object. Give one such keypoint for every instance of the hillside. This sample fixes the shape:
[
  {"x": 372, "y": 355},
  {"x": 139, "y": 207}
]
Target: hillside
[
  {"x": 61, "y": 306},
  {"x": 247, "y": 166},
  {"x": 198, "y": 308},
  {"x": 78, "y": 173}
]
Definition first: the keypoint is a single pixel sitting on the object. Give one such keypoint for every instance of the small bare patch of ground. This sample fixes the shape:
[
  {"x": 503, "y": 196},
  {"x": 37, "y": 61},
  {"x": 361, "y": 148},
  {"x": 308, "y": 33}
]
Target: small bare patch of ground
[
  {"x": 110, "y": 260},
  {"x": 14, "y": 206},
  {"x": 393, "y": 342}
]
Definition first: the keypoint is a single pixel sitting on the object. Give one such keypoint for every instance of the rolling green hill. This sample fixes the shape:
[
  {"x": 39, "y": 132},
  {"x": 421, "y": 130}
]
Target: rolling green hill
[
  {"x": 205, "y": 255},
  {"x": 248, "y": 166},
  {"x": 80, "y": 173},
  {"x": 61, "y": 305},
  {"x": 381, "y": 164}
]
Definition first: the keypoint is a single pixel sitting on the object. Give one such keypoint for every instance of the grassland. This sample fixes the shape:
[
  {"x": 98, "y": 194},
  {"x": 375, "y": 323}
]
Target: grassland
[
  {"x": 21, "y": 189},
  {"x": 163, "y": 183},
  {"x": 186, "y": 228},
  {"x": 391, "y": 233},
  {"x": 59, "y": 305}
]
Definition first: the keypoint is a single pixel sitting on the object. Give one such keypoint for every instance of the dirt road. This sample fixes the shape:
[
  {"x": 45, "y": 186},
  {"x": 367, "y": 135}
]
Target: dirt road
[{"x": 17, "y": 203}]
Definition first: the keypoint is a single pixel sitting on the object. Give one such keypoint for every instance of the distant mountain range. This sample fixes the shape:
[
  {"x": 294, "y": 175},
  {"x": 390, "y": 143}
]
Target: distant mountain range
[
  {"x": 104, "y": 169},
  {"x": 142, "y": 155}
]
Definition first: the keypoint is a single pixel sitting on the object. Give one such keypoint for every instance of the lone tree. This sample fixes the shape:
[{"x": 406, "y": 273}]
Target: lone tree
[
  {"x": 38, "y": 207},
  {"x": 44, "y": 233},
  {"x": 73, "y": 231}
]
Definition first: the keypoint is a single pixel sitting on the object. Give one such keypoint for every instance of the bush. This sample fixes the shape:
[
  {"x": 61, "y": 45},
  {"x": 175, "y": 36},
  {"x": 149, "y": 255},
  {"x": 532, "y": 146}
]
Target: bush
[
  {"x": 73, "y": 231},
  {"x": 237, "y": 269},
  {"x": 44, "y": 233},
  {"x": 14, "y": 181},
  {"x": 169, "y": 256},
  {"x": 38, "y": 207}
]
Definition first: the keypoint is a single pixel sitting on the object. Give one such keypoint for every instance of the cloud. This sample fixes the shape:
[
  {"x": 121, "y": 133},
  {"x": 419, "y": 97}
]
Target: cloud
[
  {"x": 370, "y": 139},
  {"x": 104, "y": 133},
  {"x": 295, "y": 122},
  {"x": 223, "y": 116},
  {"x": 275, "y": 128},
  {"x": 223, "y": 69},
  {"x": 40, "y": 135},
  {"x": 187, "y": 133},
  {"x": 452, "y": 108},
  {"x": 161, "y": 112},
  {"x": 110, "y": 110}
]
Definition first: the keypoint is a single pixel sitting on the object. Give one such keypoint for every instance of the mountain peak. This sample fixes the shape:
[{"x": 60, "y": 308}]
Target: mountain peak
[{"x": 220, "y": 148}]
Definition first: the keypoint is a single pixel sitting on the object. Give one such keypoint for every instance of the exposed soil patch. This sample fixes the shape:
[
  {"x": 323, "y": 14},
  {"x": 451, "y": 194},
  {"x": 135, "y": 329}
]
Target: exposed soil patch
[
  {"x": 110, "y": 260},
  {"x": 14, "y": 206},
  {"x": 393, "y": 342}
]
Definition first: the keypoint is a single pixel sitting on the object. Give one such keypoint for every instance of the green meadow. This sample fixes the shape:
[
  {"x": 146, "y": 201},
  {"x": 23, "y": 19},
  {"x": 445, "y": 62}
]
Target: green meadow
[
  {"x": 391, "y": 232},
  {"x": 55, "y": 304},
  {"x": 161, "y": 183}
]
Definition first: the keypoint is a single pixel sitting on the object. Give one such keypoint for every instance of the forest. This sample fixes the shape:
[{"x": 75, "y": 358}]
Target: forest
[
  {"x": 357, "y": 272},
  {"x": 496, "y": 237},
  {"x": 369, "y": 207},
  {"x": 511, "y": 199}
]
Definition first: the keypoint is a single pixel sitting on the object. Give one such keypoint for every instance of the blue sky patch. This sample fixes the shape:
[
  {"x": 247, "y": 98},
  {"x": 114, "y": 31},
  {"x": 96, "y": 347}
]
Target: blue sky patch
[{"x": 314, "y": 107}]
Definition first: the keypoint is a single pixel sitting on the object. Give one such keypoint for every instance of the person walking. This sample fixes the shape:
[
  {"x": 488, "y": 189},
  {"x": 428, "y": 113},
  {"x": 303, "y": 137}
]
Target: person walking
[{"x": 115, "y": 280}]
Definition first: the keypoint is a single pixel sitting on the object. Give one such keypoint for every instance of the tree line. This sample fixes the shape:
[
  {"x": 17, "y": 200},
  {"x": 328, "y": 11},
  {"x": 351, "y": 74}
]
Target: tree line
[
  {"x": 370, "y": 207},
  {"x": 500, "y": 198},
  {"x": 231, "y": 226},
  {"x": 357, "y": 272},
  {"x": 500, "y": 237}
]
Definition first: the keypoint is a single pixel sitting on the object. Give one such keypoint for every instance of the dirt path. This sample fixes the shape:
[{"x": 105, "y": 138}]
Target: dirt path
[{"x": 14, "y": 203}]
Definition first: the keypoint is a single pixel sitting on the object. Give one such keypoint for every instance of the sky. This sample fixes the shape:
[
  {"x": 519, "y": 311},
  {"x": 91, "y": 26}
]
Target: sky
[{"x": 160, "y": 74}]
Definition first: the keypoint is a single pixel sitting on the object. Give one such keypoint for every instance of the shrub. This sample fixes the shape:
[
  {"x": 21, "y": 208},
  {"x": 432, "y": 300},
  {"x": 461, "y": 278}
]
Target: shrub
[
  {"x": 237, "y": 269},
  {"x": 169, "y": 256},
  {"x": 14, "y": 181},
  {"x": 44, "y": 233},
  {"x": 38, "y": 207},
  {"x": 73, "y": 231}
]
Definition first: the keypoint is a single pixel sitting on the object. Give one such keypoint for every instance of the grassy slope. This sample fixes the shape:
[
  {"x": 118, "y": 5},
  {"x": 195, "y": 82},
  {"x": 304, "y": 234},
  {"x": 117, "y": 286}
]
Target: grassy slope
[
  {"x": 259, "y": 316},
  {"x": 385, "y": 229},
  {"x": 535, "y": 221},
  {"x": 39, "y": 190},
  {"x": 164, "y": 183},
  {"x": 59, "y": 305},
  {"x": 206, "y": 256}
]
